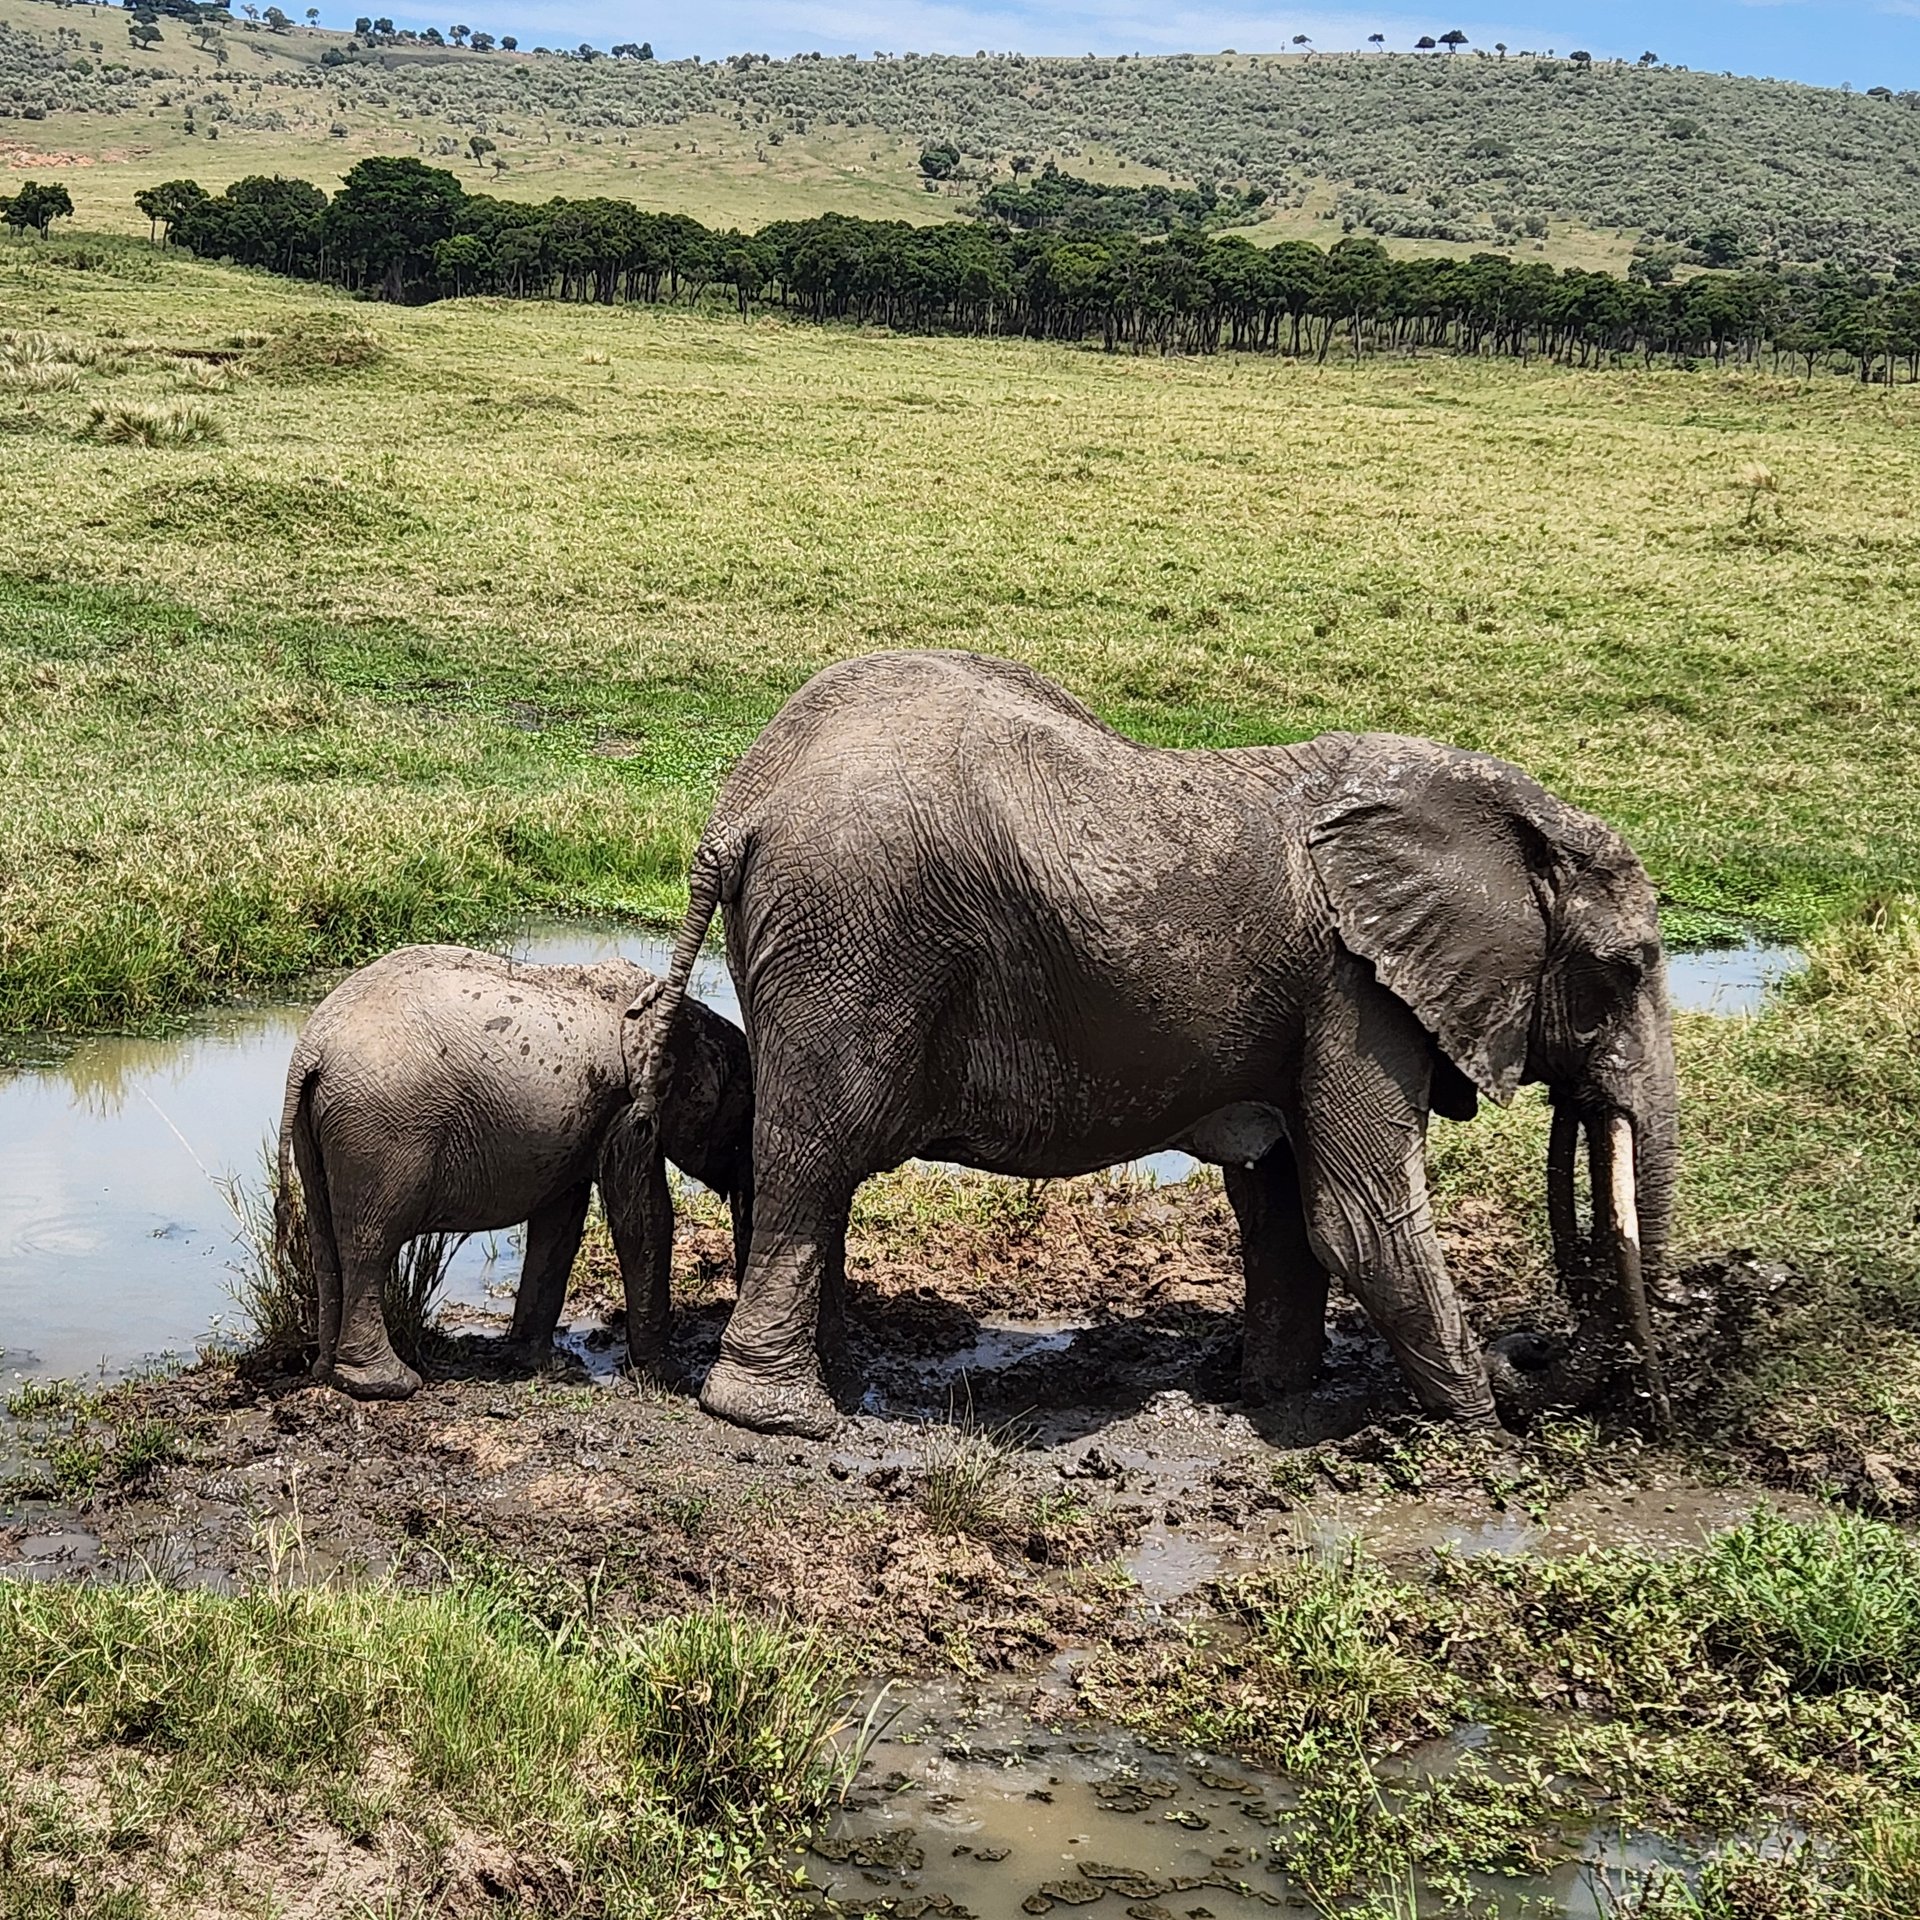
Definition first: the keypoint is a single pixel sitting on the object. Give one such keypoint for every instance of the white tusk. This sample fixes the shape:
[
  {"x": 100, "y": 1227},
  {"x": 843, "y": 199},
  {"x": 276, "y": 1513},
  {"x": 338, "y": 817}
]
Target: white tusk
[{"x": 1626, "y": 1207}]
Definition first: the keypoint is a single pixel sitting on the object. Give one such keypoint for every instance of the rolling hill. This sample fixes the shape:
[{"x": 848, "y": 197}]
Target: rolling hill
[{"x": 1578, "y": 161}]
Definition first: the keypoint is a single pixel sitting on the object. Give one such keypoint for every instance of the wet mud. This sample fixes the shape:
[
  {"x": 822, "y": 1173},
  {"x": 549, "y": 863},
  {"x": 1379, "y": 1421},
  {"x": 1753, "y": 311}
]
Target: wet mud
[{"x": 977, "y": 1801}]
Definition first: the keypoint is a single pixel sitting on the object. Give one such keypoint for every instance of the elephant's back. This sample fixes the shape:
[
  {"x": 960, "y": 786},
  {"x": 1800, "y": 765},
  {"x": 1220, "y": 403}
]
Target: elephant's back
[
  {"x": 913, "y": 711},
  {"x": 434, "y": 1037}
]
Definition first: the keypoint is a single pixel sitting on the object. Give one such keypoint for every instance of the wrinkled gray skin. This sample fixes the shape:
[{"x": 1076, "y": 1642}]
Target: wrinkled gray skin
[
  {"x": 969, "y": 921},
  {"x": 441, "y": 1090}
]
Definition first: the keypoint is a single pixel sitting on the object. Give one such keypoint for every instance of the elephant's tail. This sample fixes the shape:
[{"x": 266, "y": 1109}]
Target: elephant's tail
[
  {"x": 710, "y": 879},
  {"x": 302, "y": 1206}
]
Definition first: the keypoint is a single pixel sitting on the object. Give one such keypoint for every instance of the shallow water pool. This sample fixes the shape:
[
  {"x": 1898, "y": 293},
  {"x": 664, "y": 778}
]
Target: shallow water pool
[{"x": 117, "y": 1242}]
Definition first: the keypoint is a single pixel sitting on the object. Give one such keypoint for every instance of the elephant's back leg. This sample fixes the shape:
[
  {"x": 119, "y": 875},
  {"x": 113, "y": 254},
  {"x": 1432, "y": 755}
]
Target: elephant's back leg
[
  {"x": 377, "y": 1188},
  {"x": 323, "y": 1251},
  {"x": 1286, "y": 1313}
]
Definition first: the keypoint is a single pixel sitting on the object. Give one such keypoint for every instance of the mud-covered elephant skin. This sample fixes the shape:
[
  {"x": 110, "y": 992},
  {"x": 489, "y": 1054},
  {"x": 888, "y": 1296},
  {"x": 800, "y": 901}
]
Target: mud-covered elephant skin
[
  {"x": 440, "y": 1090},
  {"x": 969, "y": 921}
]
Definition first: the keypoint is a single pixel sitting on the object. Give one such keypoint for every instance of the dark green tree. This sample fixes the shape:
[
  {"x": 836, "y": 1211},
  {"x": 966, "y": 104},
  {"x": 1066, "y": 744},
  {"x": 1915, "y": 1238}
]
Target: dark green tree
[
  {"x": 36, "y": 207},
  {"x": 389, "y": 215},
  {"x": 165, "y": 204}
]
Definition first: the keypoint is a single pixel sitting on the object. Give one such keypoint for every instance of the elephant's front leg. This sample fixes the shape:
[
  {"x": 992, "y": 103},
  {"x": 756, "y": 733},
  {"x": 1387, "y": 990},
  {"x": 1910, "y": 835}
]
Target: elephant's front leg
[
  {"x": 768, "y": 1374},
  {"x": 553, "y": 1241},
  {"x": 1286, "y": 1318},
  {"x": 1361, "y": 1143}
]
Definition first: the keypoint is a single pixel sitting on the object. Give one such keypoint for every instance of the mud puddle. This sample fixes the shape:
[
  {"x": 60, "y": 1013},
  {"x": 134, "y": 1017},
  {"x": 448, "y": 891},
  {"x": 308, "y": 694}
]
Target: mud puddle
[
  {"x": 968, "y": 1805},
  {"x": 1656, "y": 1520}
]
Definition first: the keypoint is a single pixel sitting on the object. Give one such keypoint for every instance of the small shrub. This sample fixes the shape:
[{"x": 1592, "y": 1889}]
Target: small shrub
[
  {"x": 737, "y": 1715},
  {"x": 181, "y": 424},
  {"x": 965, "y": 1471},
  {"x": 597, "y": 357}
]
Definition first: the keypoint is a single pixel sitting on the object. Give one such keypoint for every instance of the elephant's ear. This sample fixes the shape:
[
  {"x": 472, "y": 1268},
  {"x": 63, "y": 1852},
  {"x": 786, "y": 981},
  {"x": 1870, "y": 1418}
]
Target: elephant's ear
[{"x": 1439, "y": 868}]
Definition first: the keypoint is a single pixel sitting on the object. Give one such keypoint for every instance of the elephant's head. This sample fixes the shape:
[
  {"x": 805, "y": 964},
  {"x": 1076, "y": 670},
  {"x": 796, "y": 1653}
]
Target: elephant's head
[{"x": 1525, "y": 936}]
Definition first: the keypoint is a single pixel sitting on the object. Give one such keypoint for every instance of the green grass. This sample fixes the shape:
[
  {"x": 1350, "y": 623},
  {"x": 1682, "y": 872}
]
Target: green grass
[
  {"x": 166, "y": 1747},
  {"x": 472, "y": 627},
  {"x": 965, "y": 1478},
  {"x": 1772, "y": 1675}
]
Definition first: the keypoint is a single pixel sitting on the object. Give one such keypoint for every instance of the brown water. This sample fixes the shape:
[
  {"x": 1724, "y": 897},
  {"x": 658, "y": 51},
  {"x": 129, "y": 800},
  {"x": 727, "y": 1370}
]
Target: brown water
[
  {"x": 117, "y": 1243},
  {"x": 967, "y": 1805}
]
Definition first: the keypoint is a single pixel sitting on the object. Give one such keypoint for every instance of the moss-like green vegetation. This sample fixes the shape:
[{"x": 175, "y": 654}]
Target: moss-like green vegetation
[
  {"x": 1775, "y": 1674},
  {"x": 167, "y": 1751},
  {"x": 470, "y": 621}
]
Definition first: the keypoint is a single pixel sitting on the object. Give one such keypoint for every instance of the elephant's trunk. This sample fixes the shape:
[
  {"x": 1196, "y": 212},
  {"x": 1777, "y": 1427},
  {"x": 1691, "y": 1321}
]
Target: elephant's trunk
[{"x": 1563, "y": 1217}]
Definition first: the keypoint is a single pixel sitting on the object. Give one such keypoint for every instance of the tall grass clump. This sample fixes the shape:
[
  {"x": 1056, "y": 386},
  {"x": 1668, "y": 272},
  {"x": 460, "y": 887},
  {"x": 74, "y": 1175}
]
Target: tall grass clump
[
  {"x": 966, "y": 1475},
  {"x": 208, "y": 376},
  {"x": 38, "y": 376},
  {"x": 736, "y": 1715},
  {"x": 273, "y": 1283},
  {"x": 183, "y": 423},
  {"x": 1828, "y": 1605}
]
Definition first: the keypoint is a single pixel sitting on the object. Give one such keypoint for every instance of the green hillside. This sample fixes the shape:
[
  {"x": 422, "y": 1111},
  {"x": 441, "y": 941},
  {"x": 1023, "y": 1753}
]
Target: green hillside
[{"x": 1456, "y": 151}]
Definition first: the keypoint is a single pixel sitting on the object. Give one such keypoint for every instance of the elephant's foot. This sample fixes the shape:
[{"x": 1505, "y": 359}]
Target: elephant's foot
[
  {"x": 388, "y": 1378},
  {"x": 1267, "y": 1375},
  {"x": 769, "y": 1403}
]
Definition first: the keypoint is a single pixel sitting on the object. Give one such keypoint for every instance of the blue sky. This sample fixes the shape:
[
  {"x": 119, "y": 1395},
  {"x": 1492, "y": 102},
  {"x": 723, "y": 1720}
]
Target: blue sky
[{"x": 1867, "y": 42}]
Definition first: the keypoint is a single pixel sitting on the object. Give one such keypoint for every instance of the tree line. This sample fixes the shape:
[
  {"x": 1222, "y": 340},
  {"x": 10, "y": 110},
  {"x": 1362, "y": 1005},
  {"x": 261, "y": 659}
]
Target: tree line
[{"x": 401, "y": 230}]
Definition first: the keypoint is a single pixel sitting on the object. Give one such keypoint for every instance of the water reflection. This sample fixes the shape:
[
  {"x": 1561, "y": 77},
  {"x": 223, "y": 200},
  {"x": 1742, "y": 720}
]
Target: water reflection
[
  {"x": 116, "y": 1239},
  {"x": 1729, "y": 980}
]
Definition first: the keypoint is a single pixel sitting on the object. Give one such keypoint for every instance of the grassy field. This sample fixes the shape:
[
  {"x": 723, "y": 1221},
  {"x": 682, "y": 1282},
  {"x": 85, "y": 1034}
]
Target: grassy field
[
  {"x": 463, "y": 609},
  {"x": 365, "y": 624},
  {"x": 396, "y": 1752}
]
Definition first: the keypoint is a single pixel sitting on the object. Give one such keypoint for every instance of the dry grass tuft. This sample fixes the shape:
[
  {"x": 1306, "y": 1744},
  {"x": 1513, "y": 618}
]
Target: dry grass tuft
[
  {"x": 38, "y": 376},
  {"x": 209, "y": 376},
  {"x": 179, "y": 425}
]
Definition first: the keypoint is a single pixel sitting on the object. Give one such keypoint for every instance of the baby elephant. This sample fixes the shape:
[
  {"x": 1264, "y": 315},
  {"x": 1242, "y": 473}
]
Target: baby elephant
[{"x": 441, "y": 1090}]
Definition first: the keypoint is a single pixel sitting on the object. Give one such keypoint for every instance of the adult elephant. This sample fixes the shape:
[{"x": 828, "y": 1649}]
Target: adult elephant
[{"x": 969, "y": 921}]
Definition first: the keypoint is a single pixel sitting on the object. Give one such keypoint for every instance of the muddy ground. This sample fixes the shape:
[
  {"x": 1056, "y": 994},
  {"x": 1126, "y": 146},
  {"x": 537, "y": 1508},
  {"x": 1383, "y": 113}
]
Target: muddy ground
[{"x": 1082, "y": 1337}]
